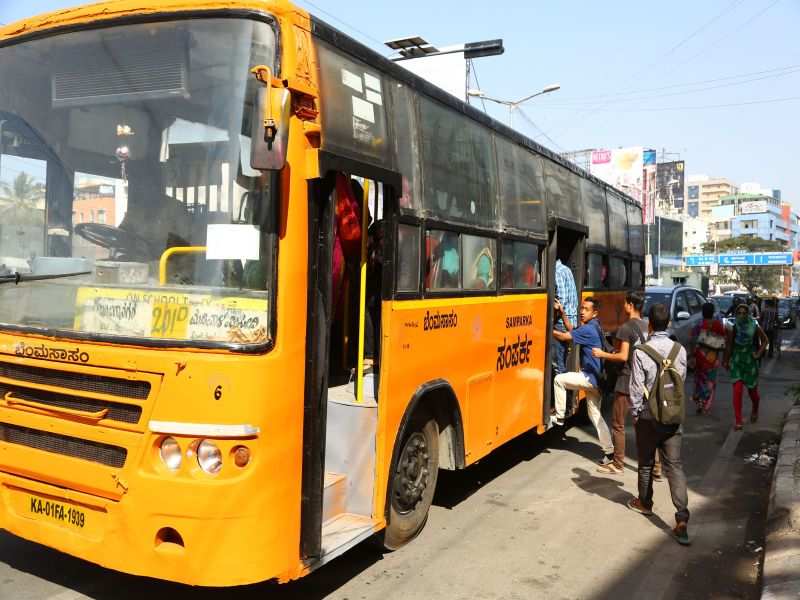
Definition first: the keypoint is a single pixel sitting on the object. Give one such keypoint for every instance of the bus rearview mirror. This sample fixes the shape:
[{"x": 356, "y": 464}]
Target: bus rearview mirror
[{"x": 270, "y": 129}]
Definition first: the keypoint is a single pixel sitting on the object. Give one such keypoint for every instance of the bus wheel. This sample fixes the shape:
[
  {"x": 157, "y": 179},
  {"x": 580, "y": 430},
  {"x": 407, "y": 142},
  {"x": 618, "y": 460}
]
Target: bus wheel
[{"x": 413, "y": 482}]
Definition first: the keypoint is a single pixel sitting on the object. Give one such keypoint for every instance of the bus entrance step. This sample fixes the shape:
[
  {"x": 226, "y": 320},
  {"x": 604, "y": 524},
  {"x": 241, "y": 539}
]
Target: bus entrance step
[
  {"x": 342, "y": 533},
  {"x": 335, "y": 495}
]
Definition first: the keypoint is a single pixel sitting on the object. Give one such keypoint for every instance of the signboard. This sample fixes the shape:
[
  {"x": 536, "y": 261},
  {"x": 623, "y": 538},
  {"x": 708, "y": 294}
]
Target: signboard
[
  {"x": 622, "y": 168},
  {"x": 649, "y": 194},
  {"x": 754, "y": 259},
  {"x": 171, "y": 315},
  {"x": 753, "y": 207},
  {"x": 670, "y": 183}
]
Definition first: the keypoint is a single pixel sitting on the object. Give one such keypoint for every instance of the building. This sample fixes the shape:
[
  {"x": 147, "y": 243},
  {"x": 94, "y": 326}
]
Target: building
[
  {"x": 94, "y": 203},
  {"x": 695, "y": 234},
  {"x": 762, "y": 216},
  {"x": 703, "y": 194}
]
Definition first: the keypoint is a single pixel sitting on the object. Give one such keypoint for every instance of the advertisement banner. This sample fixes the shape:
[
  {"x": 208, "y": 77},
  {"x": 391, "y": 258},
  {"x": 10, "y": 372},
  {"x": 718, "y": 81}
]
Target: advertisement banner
[
  {"x": 671, "y": 183},
  {"x": 753, "y": 207},
  {"x": 622, "y": 168}
]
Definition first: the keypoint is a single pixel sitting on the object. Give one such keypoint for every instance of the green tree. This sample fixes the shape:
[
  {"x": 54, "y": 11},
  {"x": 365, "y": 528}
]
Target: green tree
[
  {"x": 19, "y": 201},
  {"x": 754, "y": 279}
]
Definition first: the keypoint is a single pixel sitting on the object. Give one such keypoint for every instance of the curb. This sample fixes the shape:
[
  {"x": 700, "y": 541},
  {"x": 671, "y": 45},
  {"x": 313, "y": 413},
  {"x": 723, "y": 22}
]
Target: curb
[{"x": 782, "y": 556}]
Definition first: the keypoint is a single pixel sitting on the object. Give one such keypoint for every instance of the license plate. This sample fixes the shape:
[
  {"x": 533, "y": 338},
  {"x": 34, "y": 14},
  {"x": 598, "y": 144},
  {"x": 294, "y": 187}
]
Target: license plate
[{"x": 56, "y": 512}]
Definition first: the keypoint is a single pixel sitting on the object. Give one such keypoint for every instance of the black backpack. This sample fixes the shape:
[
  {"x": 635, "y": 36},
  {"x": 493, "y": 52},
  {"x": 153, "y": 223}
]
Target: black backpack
[
  {"x": 609, "y": 371},
  {"x": 667, "y": 398}
]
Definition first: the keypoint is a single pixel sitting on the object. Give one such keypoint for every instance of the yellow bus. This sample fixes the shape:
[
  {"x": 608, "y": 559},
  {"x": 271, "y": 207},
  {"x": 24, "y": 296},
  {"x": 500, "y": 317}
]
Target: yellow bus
[{"x": 216, "y": 367}]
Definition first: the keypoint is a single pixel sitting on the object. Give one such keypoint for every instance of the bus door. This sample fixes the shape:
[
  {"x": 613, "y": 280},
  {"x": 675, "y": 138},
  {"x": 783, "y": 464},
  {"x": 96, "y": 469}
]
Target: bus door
[
  {"x": 567, "y": 241},
  {"x": 346, "y": 287}
]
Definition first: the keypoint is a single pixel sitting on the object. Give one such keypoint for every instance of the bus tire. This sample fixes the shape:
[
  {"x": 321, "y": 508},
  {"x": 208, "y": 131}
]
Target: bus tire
[{"x": 413, "y": 481}]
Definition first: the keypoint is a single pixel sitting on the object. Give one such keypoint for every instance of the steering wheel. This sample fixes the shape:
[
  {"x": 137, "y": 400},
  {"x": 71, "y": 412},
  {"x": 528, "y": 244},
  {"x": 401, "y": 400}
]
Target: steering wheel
[{"x": 123, "y": 244}]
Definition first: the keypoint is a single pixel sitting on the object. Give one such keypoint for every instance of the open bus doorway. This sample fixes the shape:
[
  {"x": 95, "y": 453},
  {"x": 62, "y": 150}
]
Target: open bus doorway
[{"x": 566, "y": 244}]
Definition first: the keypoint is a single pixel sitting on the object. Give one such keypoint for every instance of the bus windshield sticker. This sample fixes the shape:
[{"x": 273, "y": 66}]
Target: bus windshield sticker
[
  {"x": 372, "y": 82},
  {"x": 363, "y": 109},
  {"x": 233, "y": 242},
  {"x": 374, "y": 97},
  {"x": 352, "y": 80},
  {"x": 171, "y": 315}
]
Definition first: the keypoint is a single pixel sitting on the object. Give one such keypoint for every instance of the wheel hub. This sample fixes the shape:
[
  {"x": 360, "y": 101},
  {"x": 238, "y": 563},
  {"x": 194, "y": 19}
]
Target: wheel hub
[{"x": 411, "y": 477}]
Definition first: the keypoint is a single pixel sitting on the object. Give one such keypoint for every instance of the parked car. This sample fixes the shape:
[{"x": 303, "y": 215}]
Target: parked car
[
  {"x": 723, "y": 304},
  {"x": 685, "y": 308},
  {"x": 787, "y": 313}
]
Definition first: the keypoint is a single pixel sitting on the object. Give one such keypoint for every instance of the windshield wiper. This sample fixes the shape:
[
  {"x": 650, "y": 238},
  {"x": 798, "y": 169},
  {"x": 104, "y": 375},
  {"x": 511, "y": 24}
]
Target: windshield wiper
[{"x": 16, "y": 278}]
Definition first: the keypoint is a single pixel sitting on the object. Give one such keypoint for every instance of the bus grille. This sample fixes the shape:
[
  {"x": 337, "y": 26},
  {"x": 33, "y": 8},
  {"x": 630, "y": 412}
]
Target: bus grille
[
  {"x": 84, "y": 382},
  {"x": 125, "y": 413},
  {"x": 105, "y": 454}
]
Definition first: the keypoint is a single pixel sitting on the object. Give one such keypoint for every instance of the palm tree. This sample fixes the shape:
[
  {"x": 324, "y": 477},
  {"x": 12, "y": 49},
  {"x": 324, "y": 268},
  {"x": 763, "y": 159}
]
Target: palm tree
[{"x": 20, "y": 199}]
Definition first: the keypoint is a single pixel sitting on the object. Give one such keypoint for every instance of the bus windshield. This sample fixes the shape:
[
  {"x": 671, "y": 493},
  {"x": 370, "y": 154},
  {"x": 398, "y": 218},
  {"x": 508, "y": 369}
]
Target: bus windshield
[{"x": 125, "y": 156}]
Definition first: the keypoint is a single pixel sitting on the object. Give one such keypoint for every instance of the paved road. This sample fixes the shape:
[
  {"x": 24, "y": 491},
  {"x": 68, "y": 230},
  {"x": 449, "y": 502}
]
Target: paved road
[{"x": 533, "y": 520}]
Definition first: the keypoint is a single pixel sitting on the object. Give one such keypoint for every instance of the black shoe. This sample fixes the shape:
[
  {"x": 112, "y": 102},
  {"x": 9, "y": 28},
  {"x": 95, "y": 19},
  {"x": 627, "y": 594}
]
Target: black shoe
[{"x": 607, "y": 459}]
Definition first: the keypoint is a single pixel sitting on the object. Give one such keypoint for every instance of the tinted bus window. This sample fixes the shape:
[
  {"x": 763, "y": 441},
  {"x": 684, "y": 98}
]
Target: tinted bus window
[
  {"x": 594, "y": 213},
  {"x": 406, "y": 145},
  {"x": 617, "y": 222},
  {"x": 617, "y": 273},
  {"x": 563, "y": 192},
  {"x": 521, "y": 267},
  {"x": 407, "y": 258},
  {"x": 457, "y": 167},
  {"x": 596, "y": 271},
  {"x": 635, "y": 229},
  {"x": 443, "y": 263},
  {"x": 637, "y": 274},
  {"x": 521, "y": 186},
  {"x": 353, "y": 113},
  {"x": 478, "y": 262}
]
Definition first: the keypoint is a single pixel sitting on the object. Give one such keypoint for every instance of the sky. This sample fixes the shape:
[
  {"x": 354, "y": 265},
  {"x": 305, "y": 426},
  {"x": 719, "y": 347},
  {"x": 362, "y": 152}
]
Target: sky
[{"x": 715, "y": 83}]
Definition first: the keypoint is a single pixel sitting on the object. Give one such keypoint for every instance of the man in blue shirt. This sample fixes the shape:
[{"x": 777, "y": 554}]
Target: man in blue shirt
[
  {"x": 567, "y": 296},
  {"x": 587, "y": 336}
]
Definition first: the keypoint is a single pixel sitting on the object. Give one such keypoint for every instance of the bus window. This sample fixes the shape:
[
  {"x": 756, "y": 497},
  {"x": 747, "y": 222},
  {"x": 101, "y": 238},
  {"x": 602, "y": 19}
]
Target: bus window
[
  {"x": 406, "y": 146},
  {"x": 521, "y": 265},
  {"x": 637, "y": 274},
  {"x": 443, "y": 266},
  {"x": 617, "y": 273},
  {"x": 596, "y": 271},
  {"x": 521, "y": 184},
  {"x": 594, "y": 213},
  {"x": 478, "y": 259},
  {"x": 407, "y": 258}
]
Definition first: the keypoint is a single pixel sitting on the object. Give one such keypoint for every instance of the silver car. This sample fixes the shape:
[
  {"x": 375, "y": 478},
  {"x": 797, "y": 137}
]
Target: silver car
[{"x": 685, "y": 308}]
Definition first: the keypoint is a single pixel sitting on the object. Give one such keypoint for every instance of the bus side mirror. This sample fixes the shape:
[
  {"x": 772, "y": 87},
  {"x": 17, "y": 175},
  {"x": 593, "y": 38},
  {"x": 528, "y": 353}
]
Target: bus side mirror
[{"x": 270, "y": 130}]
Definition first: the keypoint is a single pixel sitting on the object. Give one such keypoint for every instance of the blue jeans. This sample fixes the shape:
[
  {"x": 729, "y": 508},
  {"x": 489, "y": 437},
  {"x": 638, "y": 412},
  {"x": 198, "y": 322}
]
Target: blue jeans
[{"x": 558, "y": 356}]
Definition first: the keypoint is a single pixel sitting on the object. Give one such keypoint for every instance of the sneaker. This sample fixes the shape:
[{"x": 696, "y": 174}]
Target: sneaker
[
  {"x": 638, "y": 506},
  {"x": 610, "y": 469},
  {"x": 682, "y": 534},
  {"x": 554, "y": 420},
  {"x": 606, "y": 460}
]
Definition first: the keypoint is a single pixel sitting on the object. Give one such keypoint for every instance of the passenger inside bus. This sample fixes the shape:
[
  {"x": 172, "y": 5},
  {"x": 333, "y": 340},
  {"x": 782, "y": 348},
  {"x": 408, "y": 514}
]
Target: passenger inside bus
[{"x": 443, "y": 262}]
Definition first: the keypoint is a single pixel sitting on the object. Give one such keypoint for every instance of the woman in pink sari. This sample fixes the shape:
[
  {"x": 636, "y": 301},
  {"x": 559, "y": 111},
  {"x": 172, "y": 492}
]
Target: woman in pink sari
[{"x": 709, "y": 336}]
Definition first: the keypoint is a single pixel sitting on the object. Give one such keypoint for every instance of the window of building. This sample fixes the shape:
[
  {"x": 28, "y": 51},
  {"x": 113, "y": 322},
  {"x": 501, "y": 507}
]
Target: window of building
[{"x": 101, "y": 216}]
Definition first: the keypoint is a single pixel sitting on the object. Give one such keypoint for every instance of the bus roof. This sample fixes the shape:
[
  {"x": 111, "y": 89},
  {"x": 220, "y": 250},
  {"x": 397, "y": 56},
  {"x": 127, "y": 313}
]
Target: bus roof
[{"x": 68, "y": 18}]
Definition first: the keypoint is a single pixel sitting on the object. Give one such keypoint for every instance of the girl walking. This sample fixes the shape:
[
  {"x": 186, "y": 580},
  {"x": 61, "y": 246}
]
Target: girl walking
[
  {"x": 746, "y": 345},
  {"x": 709, "y": 336}
]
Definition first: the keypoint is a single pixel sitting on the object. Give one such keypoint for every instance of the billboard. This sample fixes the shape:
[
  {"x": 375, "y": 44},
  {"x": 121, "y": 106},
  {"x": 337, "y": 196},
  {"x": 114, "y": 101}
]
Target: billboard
[
  {"x": 670, "y": 182},
  {"x": 693, "y": 209},
  {"x": 622, "y": 168},
  {"x": 694, "y": 192},
  {"x": 753, "y": 207},
  {"x": 649, "y": 193}
]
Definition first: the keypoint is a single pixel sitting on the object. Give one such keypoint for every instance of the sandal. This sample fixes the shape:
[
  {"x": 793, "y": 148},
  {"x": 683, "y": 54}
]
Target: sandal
[
  {"x": 738, "y": 427},
  {"x": 754, "y": 418}
]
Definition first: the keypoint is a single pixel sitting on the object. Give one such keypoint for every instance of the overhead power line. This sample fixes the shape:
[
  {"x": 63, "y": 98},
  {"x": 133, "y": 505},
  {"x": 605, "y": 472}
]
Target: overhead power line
[
  {"x": 701, "y": 107},
  {"x": 769, "y": 73},
  {"x": 345, "y": 23}
]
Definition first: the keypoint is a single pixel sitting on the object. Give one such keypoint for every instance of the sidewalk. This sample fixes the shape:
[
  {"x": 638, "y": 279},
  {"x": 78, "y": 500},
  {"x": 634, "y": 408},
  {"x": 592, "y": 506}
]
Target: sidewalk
[{"x": 782, "y": 558}]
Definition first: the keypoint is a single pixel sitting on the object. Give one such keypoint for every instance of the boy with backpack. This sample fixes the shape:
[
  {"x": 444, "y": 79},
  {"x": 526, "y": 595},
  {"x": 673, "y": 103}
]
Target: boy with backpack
[
  {"x": 658, "y": 399},
  {"x": 588, "y": 336}
]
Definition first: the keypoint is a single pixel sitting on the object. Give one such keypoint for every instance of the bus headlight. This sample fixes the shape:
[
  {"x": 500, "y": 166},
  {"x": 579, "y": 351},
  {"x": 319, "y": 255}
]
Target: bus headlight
[
  {"x": 209, "y": 457},
  {"x": 170, "y": 452}
]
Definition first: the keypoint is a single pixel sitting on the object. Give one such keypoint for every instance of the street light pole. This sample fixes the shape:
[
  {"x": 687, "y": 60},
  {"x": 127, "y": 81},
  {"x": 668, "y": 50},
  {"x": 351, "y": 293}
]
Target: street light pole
[{"x": 512, "y": 105}]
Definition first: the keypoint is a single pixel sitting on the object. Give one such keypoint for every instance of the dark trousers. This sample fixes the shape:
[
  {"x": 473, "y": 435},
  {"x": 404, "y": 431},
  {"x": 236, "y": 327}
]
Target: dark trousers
[{"x": 652, "y": 436}]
